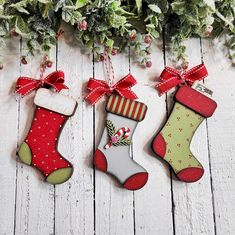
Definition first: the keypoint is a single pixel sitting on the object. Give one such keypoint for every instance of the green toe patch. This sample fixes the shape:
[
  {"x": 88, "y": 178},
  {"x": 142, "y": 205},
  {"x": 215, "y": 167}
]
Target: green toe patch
[
  {"x": 25, "y": 154},
  {"x": 60, "y": 176}
]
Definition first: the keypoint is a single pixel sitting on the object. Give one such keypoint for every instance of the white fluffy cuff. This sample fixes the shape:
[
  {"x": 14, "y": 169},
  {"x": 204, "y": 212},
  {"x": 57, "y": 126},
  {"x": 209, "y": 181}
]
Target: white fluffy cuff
[{"x": 55, "y": 101}]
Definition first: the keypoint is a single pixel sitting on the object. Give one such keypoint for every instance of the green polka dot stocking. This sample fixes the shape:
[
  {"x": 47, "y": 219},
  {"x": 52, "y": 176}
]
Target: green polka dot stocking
[{"x": 173, "y": 141}]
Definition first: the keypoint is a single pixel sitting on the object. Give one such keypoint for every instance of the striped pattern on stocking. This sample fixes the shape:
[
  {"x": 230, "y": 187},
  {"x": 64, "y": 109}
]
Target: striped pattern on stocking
[{"x": 127, "y": 108}]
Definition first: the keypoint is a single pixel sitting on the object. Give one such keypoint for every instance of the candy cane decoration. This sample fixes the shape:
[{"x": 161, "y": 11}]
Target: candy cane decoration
[{"x": 123, "y": 132}]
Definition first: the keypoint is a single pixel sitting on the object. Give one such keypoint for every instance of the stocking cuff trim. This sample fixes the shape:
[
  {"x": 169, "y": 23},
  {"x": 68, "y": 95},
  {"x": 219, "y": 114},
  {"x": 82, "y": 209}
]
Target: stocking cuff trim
[
  {"x": 196, "y": 101},
  {"x": 55, "y": 101},
  {"x": 127, "y": 108}
]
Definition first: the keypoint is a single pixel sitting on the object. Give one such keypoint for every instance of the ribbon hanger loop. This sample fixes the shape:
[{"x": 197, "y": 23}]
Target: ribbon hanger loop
[
  {"x": 171, "y": 77},
  {"x": 99, "y": 88},
  {"x": 110, "y": 76},
  {"x": 26, "y": 85}
]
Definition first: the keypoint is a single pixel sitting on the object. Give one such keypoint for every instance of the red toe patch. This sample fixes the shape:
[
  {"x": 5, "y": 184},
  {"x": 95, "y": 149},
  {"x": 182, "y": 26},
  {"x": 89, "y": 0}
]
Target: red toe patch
[
  {"x": 191, "y": 174},
  {"x": 100, "y": 161},
  {"x": 136, "y": 181}
]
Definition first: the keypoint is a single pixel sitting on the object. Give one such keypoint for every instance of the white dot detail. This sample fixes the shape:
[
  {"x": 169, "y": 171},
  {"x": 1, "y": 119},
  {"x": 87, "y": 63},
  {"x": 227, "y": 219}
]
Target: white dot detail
[{"x": 42, "y": 162}]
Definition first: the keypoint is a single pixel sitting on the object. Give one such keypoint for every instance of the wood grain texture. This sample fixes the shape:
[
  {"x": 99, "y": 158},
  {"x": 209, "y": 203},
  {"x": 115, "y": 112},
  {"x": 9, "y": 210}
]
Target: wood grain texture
[
  {"x": 153, "y": 208},
  {"x": 221, "y": 133},
  {"x": 8, "y": 132},
  {"x": 193, "y": 211},
  {"x": 92, "y": 202},
  {"x": 74, "y": 200},
  {"x": 34, "y": 198},
  {"x": 113, "y": 204}
]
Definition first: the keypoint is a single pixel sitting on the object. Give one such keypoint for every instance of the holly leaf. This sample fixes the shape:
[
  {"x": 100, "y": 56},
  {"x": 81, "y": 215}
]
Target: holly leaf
[
  {"x": 155, "y": 8},
  {"x": 81, "y": 3},
  {"x": 21, "y": 27},
  {"x": 3, "y": 30},
  {"x": 45, "y": 1},
  {"x": 20, "y": 6},
  {"x": 110, "y": 128},
  {"x": 139, "y": 5}
]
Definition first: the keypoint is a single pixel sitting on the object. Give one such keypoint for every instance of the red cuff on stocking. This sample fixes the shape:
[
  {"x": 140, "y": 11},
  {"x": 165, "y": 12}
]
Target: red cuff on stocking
[{"x": 196, "y": 101}]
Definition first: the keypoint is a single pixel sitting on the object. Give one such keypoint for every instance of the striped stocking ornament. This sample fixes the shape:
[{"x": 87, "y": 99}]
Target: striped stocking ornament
[{"x": 113, "y": 152}]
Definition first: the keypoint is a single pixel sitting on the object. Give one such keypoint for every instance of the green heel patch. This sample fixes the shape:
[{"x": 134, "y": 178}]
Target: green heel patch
[{"x": 25, "y": 154}]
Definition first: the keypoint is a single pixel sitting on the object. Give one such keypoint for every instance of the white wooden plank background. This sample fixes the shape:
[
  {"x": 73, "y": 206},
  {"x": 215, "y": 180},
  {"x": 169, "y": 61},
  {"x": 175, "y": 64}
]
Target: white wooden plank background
[{"x": 92, "y": 202}]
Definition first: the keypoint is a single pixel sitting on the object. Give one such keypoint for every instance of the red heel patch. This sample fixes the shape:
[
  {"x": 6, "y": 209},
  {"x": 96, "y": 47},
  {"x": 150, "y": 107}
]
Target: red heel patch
[
  {"x": 159, "y": 145},
  {"x": 136, "y": 181},
  {"x": 100, "y": 161}
]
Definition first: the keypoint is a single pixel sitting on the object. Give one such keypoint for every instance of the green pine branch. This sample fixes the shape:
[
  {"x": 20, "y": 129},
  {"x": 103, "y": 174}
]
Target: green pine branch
[{"x": 110, "y": 128}]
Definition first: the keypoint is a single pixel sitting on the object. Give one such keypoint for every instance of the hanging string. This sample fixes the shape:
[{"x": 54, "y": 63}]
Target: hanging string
[
  {"x": 43, "y": 66},
  {"x": 99, "y": 88},
  {"x": 108, "y": 66}
]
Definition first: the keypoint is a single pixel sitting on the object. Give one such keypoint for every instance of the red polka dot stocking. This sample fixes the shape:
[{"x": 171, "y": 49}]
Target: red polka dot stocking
[{"x": 40, "y": 146}]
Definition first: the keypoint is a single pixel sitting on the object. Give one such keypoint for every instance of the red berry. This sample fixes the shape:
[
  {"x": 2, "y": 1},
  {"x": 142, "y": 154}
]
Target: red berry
[
  {"x": 1, "y": 66},
  {"x": 114, "y": 51},
  {"x": 14, "y": 33},
  {"x": 185, "y": 66},
  {"x": 49, "y": 63},
  {"x": 45, "y": 58},
  {"x": 83, "y": 25},
  {"x": 208, "y": 30},
  {"x": 148, "y": 64},
  {"x": 101, "y": 57},
  {"x": 133, "y": 35},
  {"x": 147, "y": 39},
  {"x": 23, "y": 60}
]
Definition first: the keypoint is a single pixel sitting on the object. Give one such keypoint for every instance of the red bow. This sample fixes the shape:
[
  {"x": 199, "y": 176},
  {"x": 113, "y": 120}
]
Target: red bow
[
  {"x": 99, "y": 88},
  {"x": 171, "y": 77},
  {"x": 25, "y": 85}
]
